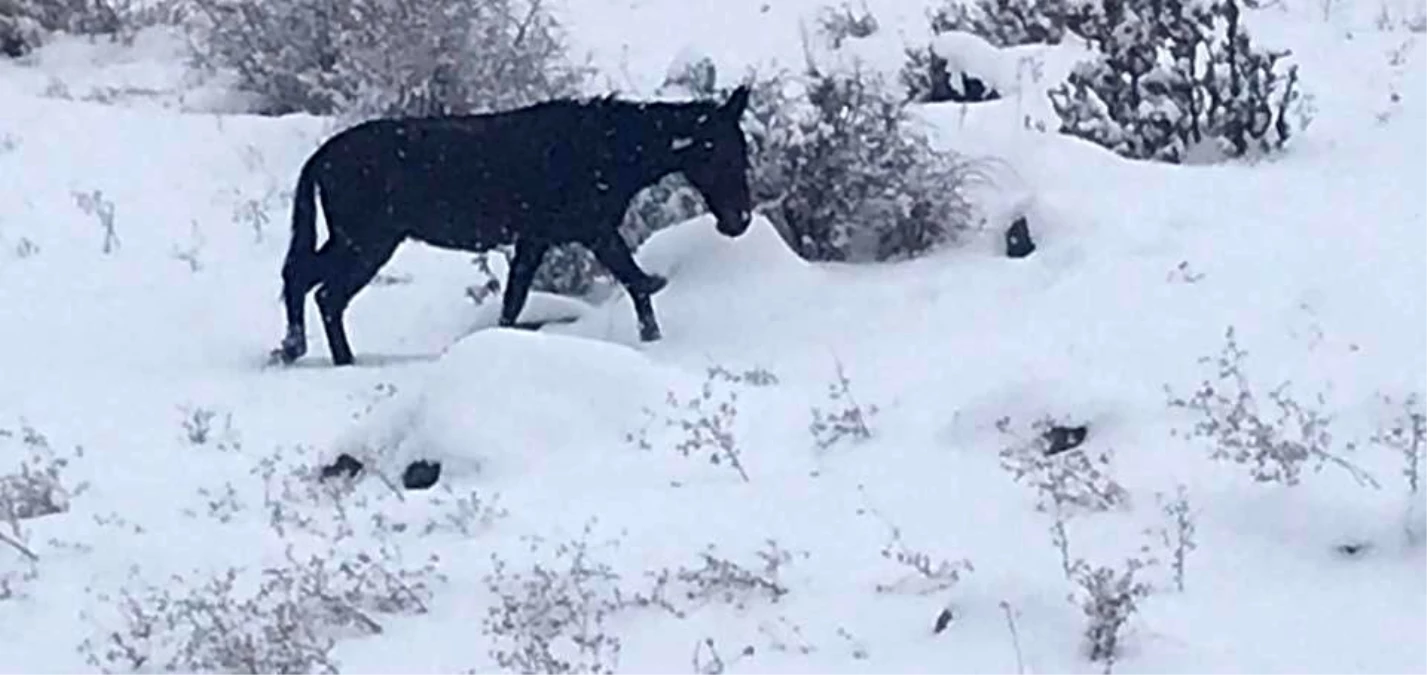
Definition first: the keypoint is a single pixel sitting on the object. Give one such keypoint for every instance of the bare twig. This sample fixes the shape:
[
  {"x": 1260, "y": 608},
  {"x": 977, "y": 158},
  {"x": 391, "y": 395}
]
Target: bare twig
[
  {"x": 18, "y": 546},
  {"x": 1015, "y": 637}
]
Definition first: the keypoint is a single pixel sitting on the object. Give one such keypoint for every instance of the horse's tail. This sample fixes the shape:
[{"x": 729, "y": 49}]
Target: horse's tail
[
  {"x": 300, "y": 270},
  {"x": 302, "y": 249}
]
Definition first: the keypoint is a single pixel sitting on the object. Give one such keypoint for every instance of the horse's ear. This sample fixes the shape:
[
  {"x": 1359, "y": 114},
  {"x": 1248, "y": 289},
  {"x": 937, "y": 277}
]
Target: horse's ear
[{"x": 737, "y": 102}]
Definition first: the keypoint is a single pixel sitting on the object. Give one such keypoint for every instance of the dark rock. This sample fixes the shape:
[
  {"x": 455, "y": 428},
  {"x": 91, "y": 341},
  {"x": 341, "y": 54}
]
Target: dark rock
[
  {"x": 1353, "y": 549},
  {"x": 975, "y": 90},
  {"x": 936, "y": 87},
  {"x": 942, "y": 621},
  {"x": 1018, "y": 239},
  {"x": 346, "y": 465},
  {"x": 929, "y": 82},
  {"x": 420, "y": 475},
  {"x": 1060, "y": 439}
]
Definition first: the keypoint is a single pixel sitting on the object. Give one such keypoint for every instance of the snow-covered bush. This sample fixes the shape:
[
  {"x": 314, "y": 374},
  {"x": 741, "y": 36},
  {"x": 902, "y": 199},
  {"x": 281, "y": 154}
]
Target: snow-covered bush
[
  {"x": 551, "y": 617},
  {"x": 718, "y": 578},
  {"x": 1007, "y": 23},
  {"x": 31, "y": 487},
  {"x": 342, "y": 572},
  {"x": 1177, "y": 536},
  {"x": 19, "y": 32},
  {"x": 386, "y": 57},
  {"x": 1062, "y": 480},
  {"x": 704, "y": 422},
  {"x": 555, "y": 613},
  {"x": 568, "y": 269},
  {"x": 1109, "y": 598},
  {"x": 24, "y": 24},
  {"x": 284, "y": 619},
  {"x": 842, "y": 169},
  {"x": 925, "y": 573},
  {"x": 1175, "y": 80},
  {"x": 1274, "y": 435},
  {"x": 846, "y": 22},
  {"x": 846, "y": 418},
  {"x": 1405, "y": 433}
]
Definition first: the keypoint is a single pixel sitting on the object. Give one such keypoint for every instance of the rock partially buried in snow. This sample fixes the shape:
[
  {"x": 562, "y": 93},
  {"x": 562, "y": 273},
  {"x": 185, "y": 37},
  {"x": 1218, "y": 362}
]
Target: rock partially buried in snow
[
  {"x": 501, "y": 398},
  {"x": 1018, "y": 239},
  {"x": 1023, "y": 72}
]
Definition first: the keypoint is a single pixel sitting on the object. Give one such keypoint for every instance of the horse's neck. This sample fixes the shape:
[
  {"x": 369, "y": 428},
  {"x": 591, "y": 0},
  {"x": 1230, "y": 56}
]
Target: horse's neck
[{"x": 652, "y": 159}]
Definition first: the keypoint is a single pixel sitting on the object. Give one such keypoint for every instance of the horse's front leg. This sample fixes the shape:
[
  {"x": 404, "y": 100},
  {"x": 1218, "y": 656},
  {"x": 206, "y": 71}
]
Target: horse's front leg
[
  {"x": 528, "y": 255},
  {"x": 614, "y": 254}
]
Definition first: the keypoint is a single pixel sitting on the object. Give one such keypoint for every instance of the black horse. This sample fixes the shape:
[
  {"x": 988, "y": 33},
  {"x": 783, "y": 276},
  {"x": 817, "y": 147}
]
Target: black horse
[{"x": 547, "y": 174}]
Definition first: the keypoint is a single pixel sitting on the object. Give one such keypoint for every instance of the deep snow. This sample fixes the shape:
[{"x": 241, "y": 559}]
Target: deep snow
[{"x": 1315, "y": 258}]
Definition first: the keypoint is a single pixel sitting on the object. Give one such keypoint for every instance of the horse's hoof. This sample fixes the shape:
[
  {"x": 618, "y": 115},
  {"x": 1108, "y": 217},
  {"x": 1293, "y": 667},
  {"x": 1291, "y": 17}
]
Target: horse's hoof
[
  {"x": 289, "y": 351},
  {"x": 649, "y": 334}
]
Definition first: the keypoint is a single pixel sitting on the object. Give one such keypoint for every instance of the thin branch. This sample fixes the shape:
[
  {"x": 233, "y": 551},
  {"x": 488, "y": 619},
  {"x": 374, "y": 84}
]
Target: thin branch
[
  {"x": 1015, "y": 637},
  {"x": 19, "y": 546}
]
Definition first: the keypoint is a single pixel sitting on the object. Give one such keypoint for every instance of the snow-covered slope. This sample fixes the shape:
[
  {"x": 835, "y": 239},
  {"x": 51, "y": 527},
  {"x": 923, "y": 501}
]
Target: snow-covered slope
[{"x": 1316, "y": 259}]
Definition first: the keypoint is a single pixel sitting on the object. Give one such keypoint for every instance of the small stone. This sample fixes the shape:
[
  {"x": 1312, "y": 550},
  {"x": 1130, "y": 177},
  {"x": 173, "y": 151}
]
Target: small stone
[
  {"x": 420, "y": 475},
  {"x": 1018, "y": 239},
  {"x": 1061, "y": 439},
  {"x": 346, "y": 465}
]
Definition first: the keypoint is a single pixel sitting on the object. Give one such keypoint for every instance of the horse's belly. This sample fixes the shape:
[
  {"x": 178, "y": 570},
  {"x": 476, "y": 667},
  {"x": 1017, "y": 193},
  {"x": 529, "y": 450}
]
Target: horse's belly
[
  {"x": 469, "y": 238},
  {"x": 473, "y": 233}
]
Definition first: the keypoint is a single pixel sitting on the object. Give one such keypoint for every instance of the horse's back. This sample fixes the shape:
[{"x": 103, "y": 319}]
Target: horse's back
[{"x": 460, "y": 180}]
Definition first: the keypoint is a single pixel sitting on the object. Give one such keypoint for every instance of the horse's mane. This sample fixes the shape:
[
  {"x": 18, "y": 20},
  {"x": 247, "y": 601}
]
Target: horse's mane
[{"x": 612, "y": 104}]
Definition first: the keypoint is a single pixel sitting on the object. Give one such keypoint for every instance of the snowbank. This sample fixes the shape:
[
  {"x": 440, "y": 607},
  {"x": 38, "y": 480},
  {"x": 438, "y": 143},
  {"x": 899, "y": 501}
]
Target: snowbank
[
  {"x": 503, "y": 399},
  {"x": 694, "y": 252},
  {"x": 716, "y": 284}
]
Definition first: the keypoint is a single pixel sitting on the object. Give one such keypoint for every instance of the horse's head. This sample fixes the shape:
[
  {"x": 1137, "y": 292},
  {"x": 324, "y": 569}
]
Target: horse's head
[{"x": 713, "y": 155}]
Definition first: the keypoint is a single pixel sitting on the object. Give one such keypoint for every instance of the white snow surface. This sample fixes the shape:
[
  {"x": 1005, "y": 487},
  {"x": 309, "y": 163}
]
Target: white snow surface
[{"x": 1315, "y": 258}]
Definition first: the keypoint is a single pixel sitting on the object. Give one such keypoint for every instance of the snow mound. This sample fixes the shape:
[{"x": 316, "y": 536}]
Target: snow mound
[
  {"x": 539, "y": 308},
  {"x": 1023, "y": 75},
  {"x": 711, "y": 280},
  {"x": 694, "y": 252},
  {"x": 501, "y": 398},
  {"x": 698, "y": 261},
  {"x": 150, "y": 71}
]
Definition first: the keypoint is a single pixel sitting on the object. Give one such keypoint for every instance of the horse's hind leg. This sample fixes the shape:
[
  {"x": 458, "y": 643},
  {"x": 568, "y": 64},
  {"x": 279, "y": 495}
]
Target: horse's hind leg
[
  {"x": 615, "y": 255},
  {"x": 347, "y": 270},
  {"x": 298, "y": 279}
]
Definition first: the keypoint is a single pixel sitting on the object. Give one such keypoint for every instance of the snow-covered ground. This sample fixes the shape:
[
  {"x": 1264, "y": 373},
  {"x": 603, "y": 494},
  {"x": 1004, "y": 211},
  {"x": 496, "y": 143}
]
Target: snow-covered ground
[{"x": 1316, "y": 259}]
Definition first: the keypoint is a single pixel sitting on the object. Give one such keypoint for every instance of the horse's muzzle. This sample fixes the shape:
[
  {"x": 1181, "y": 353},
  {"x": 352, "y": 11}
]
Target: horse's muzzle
[{"x": 736, "y": 225}]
